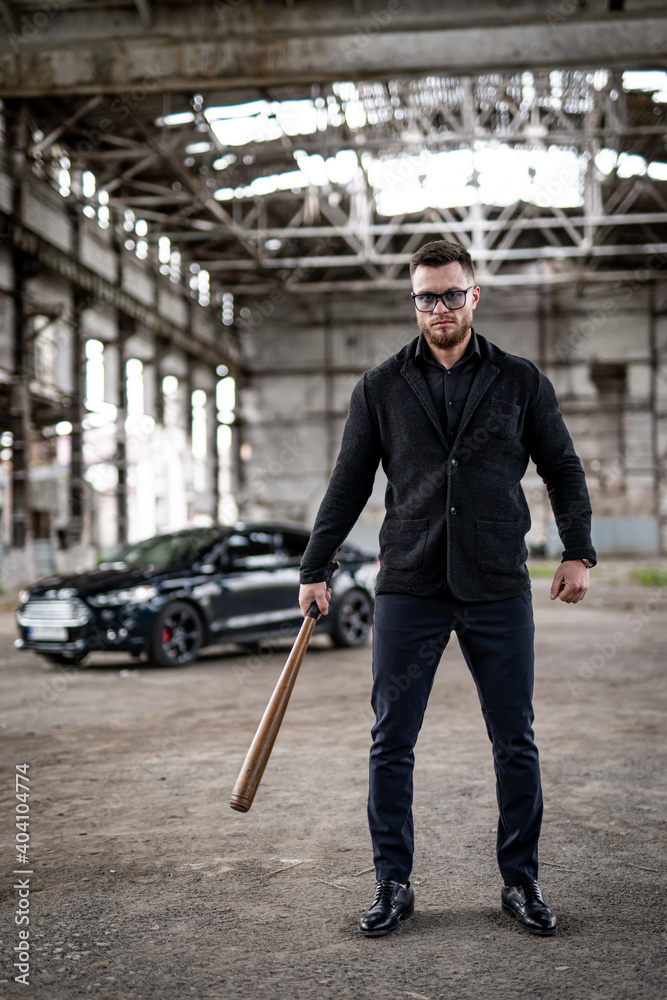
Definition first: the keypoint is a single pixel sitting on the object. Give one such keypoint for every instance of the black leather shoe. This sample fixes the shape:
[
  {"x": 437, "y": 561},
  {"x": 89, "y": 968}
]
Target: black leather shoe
[
  {"x": 526, "y": 904},
  {"x": 392, "y": 904}
]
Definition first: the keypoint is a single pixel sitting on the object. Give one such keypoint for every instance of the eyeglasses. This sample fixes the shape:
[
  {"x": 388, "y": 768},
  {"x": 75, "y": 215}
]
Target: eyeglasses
[{"x": 427, "y": 302}]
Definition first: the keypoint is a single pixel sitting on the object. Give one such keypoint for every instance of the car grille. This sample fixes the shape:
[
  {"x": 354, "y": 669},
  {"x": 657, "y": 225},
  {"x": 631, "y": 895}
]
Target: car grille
[{"x": 54, "y": 612}]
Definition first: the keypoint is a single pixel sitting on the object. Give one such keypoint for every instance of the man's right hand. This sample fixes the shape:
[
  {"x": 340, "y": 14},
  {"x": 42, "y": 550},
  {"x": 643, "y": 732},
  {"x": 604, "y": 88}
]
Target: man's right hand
[{"x": 319, "y": 592}]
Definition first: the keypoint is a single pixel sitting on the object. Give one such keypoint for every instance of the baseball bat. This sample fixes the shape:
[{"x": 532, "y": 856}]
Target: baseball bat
[{"x": 258, "y": 755}]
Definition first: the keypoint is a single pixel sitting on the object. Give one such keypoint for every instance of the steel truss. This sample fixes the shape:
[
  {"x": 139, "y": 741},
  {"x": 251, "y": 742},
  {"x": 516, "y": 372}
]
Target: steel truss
[
  {"x": 620, "y": 223},
  {"x": 331, "y": 237}
]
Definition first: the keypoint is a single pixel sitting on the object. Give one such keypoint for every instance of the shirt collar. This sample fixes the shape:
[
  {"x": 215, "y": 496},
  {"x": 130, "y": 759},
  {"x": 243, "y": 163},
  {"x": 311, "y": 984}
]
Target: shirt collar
[{"x": 423, "y": 352}]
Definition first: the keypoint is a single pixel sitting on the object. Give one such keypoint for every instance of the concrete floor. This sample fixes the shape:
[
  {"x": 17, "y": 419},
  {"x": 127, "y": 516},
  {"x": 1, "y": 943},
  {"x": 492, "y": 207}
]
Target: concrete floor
[{"x": 146, "y": 885}]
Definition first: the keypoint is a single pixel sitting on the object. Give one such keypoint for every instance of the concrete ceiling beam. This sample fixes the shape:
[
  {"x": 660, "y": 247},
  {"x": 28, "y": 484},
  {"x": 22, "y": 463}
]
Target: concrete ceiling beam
[{"x": 196, "y": 50}]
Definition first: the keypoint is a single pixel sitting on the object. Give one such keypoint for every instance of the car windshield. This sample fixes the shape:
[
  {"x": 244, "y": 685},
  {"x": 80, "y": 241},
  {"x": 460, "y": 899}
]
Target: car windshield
[{"x": 181, "y": 549}]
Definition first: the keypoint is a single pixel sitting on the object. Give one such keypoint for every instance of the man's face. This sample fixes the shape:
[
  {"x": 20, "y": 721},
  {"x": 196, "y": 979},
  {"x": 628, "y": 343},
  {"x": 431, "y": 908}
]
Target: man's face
[{"x": 445, "y": 328}]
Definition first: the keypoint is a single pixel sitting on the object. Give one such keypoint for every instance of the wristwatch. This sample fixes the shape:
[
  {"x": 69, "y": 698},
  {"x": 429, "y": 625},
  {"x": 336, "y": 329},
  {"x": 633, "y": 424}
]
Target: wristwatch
[{"x": 587, "y": 563}]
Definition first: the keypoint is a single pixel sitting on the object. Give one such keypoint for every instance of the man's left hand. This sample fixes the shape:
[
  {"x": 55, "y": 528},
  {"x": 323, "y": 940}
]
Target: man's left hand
[{"x": 571, "y": 581}]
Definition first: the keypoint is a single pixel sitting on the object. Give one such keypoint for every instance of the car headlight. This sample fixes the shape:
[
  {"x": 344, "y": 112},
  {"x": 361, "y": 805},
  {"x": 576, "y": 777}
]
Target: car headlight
[
  {"x": 24, "y": 596},
  {"x": 133, "y": 595}
]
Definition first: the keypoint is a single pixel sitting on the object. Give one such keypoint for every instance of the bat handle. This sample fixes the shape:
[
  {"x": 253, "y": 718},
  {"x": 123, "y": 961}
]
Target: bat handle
[{"x": 313, "y": 611}]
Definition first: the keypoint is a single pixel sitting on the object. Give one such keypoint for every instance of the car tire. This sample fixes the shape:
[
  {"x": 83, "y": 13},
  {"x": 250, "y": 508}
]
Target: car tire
[
  {"x": 176, "y": 636},
  {"x": 352, "y": 619}
]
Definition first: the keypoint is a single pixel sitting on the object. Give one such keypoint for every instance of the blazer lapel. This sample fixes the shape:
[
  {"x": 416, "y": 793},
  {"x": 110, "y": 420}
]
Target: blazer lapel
[
  {"x": 483, "y": 379},
  {"x": 417, "y": 383}
]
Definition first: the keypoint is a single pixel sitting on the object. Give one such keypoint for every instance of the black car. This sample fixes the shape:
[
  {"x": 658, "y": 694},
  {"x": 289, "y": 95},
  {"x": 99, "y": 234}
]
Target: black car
[{"x": 167, "y": 597}]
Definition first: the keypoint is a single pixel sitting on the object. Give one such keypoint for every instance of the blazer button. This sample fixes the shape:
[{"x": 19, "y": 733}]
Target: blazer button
[
  {"x": 455, "y": 461},
  {"x": 452, "y": 510}
]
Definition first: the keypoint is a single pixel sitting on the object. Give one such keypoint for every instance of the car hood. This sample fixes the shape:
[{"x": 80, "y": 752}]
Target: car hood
[{"x": 96, "y": 581}]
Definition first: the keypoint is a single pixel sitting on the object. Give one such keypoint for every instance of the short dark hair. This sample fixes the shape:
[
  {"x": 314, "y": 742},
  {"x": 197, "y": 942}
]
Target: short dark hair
[{"x": 441, "y": 252}]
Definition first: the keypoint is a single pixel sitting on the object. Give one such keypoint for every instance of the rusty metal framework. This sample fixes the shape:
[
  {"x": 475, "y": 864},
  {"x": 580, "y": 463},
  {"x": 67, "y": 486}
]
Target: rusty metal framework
[
  {"x": 126, "y": 109},
  {"x": 163, "y": 161},
  {"x": 134, "y": 91}
]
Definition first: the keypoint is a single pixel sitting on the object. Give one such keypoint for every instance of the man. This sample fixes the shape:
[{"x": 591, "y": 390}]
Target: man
[{"x": 453, "y": 420}]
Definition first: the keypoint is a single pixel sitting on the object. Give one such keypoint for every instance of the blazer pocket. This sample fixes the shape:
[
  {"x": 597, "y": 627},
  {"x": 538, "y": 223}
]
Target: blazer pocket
[
  {"x": 503, "y": 418},
  {"x": 501, "y": 546},
  {"x": 402, "y": 543}
]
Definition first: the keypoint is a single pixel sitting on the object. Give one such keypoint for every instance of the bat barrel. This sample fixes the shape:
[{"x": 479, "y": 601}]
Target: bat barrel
[{"x": 260, "y": 749}]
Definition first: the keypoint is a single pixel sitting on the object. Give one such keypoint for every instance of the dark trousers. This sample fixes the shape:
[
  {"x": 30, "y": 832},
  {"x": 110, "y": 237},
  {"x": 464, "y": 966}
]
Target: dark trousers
[{"x": 496, "y": 639}]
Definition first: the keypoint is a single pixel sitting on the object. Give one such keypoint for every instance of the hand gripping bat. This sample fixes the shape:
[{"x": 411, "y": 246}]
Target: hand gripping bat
[{"x": 258, "y": 755}]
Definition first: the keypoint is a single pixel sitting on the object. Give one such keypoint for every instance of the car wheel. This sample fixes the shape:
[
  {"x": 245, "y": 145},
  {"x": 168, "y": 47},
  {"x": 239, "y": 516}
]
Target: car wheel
[
  {"x": 352, "y": 619},
  {"x": 176, "y": 637}
]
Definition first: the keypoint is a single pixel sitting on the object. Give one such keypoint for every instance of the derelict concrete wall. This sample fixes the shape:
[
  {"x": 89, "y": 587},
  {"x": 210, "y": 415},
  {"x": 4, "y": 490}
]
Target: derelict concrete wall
[{"x": 305, "y": 358}]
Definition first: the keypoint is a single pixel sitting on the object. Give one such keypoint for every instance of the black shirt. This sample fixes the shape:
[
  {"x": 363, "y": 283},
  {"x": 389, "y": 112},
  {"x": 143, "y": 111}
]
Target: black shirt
[{"x": 449, "y": 387}]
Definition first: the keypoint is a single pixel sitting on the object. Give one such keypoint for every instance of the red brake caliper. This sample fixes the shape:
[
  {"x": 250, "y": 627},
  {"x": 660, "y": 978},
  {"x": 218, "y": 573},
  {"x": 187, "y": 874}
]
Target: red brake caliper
[{"x": 166, "y": 635}]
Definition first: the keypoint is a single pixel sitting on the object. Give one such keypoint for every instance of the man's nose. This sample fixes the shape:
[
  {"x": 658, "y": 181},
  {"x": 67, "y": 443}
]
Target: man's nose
[{"x": 440, "y": 306}]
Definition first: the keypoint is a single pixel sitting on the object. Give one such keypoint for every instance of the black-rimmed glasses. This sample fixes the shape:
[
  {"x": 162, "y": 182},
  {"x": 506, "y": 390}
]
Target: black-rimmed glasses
[{"x": 427, "y": 301}]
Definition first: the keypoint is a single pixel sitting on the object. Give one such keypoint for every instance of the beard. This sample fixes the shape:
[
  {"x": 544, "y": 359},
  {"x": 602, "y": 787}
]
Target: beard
[{"x": 443, "y": 339}]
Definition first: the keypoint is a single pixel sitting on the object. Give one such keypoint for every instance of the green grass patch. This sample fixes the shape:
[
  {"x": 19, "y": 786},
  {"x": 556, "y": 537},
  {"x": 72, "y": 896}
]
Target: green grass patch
[
  {"x": 542, "y": 570},
  {"x": 652, "y": 576}
]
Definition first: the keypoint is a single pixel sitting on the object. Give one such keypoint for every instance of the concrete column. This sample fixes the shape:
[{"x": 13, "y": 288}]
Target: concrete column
[
  {"x": 158, "y": 375},
  {"x": 213, "y": 458},
  {"x": 20, "y": 565},
  {"x": 125, "y": 330},
  {"x": 77, "y": 484},
  {"x": 657, "y": 460},
  {"x": 20, "y": 414}
]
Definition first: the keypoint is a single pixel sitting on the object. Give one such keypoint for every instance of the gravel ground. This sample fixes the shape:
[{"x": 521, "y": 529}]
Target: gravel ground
[{"x": 146, "y": 884}]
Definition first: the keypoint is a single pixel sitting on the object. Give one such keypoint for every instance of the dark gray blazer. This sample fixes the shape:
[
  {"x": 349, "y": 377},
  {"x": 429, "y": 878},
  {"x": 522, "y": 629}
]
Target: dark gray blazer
[{"x": 453, "y": 516}]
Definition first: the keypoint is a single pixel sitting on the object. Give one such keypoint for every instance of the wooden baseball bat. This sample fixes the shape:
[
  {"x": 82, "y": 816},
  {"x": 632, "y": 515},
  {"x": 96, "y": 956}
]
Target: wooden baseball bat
[{"x": 258, "y": 755}]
